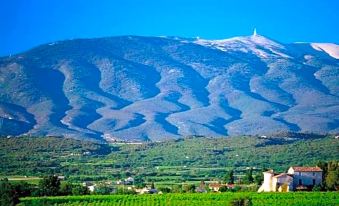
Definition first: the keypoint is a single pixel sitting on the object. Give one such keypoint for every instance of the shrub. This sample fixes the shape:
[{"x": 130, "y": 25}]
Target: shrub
[{"x": 241, "y": 202}]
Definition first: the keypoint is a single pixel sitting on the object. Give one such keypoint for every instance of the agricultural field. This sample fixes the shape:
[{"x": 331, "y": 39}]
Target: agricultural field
[
  {"x": 211, "y": 199},
  {"x": 188, "y": 160}
]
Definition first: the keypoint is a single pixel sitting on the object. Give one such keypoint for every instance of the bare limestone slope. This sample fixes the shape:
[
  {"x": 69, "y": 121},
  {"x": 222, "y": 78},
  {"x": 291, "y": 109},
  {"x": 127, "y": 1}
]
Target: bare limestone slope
[{"x": 156, "y": 88}]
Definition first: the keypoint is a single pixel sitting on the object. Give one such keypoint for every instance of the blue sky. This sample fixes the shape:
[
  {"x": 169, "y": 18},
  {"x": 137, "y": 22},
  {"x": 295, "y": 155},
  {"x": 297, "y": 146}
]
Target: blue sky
[{"x": 25, "y": 24}]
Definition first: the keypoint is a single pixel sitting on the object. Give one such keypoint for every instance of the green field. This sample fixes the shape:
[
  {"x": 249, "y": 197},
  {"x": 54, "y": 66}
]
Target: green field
[
  {"x": 214, "y": 199},
  {"x": 171, "y": 162},
  {"x": 30, "y": 180}
]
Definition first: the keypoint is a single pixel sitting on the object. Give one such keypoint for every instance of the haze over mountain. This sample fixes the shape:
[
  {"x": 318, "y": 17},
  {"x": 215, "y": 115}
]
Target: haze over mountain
[{"x": 156, "y": 88}]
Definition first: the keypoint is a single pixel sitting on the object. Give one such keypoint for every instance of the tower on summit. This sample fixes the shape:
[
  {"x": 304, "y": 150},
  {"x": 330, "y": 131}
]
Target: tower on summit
[{"x": 255, "y": 32}]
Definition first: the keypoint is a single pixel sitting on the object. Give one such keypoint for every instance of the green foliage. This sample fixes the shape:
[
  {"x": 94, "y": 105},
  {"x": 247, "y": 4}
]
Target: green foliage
[
  {"x": 249, "y": 176},
  {"x": 223, "y": 189},
  {"x": 80, "y": 190},
  {"x": 259, "y": 178},
  {"x": 332, "y": 180},
  {"x": 8, "y": 194},
  {"x": 177, "y": 189},
  {"x": 66, "y": 188},
  {"x": 189, "y": 188},
  {"x": 190, "y": 159},
  {"x": 124, "y": 191},
  {"x": 330, "y": 174},
  {"x": 139, "y": 181},
  {"x": 229, "y": 177},
  {"x": 236, "y": 189},
  {"x": 316, "y": 188},
  {"x": 103, "y": 190},
  {"x": 241, "y": 202},
  {"x": 165, "y": 189},
  {"x": 49, "y": 186},
  {"x": 193, "y": 199}
]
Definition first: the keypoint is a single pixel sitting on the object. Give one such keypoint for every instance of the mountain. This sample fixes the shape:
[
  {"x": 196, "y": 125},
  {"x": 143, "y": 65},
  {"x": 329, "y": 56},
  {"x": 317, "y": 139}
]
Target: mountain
[{"x": 156, "y": 88}]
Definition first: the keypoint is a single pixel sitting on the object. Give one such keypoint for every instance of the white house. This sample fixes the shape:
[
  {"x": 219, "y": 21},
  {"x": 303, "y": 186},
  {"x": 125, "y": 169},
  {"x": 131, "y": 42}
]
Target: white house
[
  {"x": 91, "y": 186},
  {"x": 274, "y": 182},
  {"x": 146, "y": 190},
  {"x": 295, "y": 178},
  {"x": 127, "y": 181}
]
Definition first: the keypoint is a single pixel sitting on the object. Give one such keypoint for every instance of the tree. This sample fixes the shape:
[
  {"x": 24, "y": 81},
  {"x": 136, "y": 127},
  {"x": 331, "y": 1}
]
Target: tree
[
  {"x": 66, "y": 188},
  {"x": 229, "y": 177},
  {"x": 49, "y": 186},
  {"x": 259, "y": 178},
  {"x": 249, "y": 176},
  {"x": 103, "y": 190},
  {"x": 152, "y": 185},
  {"x": 176, "y": 188},
  {"x": 139, "y": 182},
  {"x": 165, "y": 189},
  {"x": 223, "y": 189},
  {"x": 324, "y": 167},
  {"x": 189, "y": 188},
  {"x": 24, "y": 189},
  {"x": 330, "y": 174},
  {"x": 8, "y": 196},
  {"x": 79, "y": 190}
]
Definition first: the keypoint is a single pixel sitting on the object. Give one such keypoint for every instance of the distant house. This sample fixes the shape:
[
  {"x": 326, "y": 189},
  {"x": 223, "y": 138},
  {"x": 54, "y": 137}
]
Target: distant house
[
  {"x": 91, "y": 186},
  {"x": 119, "y": 182},
  {"x": 61, "y": 177},
  {"x": 297, "y": 178},
  {"x": 141, "y": 191},
  {"x": 127, "y": 181},
  {"x": 146, "y": 190},
  {"x": 215, "y": 187}
]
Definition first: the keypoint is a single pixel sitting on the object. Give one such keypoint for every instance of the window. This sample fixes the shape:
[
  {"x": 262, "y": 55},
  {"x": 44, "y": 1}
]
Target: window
[
  {"x": 313, "y": 173},
  {"x": 300, "y": 182},
  {"x": 313, "y": 181}
]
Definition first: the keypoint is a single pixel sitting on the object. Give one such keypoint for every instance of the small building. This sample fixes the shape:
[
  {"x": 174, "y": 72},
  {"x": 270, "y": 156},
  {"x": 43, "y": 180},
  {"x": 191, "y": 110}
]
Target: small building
[
  {"x": 296, "y": 178},
  {"x": 91, "y": 186},
  {"x": 127, "y": 181},
  {"x": 306, "y": 177},
  {"x": 146, "y": 190},
  {"x": 61, "y": 177},
  {"x": 215, "y": 187},
  {"x": 141, "y": 191},
  {"x": 274, "y": 182}
]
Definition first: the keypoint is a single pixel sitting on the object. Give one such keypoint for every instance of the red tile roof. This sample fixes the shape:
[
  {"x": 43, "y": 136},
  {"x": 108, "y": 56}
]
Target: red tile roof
[
  {"x": 216, "y": 185},
  {"x": 307, "y": 169}
]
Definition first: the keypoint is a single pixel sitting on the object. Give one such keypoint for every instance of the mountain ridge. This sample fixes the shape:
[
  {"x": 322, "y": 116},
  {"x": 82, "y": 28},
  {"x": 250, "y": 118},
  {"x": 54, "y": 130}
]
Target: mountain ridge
[{"x": 154, "y": 88}]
